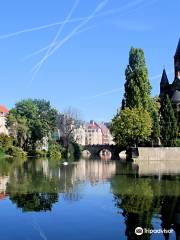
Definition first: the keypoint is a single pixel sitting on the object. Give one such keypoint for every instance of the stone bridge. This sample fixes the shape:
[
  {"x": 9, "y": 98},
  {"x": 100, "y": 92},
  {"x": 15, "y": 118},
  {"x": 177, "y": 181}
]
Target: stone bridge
[{"x": 95, "y": 150}]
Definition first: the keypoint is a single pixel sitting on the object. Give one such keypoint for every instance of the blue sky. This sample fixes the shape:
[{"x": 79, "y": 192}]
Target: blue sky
[{"x": 86, "y": 70}]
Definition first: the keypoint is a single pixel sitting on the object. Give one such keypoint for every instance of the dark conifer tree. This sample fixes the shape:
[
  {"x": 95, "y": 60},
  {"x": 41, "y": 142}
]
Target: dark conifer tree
[{"x": 168, "y": 123}]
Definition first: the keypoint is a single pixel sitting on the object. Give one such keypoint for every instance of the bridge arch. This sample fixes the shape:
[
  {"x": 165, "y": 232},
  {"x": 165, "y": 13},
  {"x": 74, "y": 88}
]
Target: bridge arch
[
  {"x": 95, "y": 150},
  {"x": 105, "y": 153},
  {"x": 86, "y": 153}
]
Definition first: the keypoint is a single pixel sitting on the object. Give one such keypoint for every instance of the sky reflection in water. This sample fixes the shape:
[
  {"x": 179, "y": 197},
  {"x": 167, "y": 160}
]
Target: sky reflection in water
[{"x": 89, "y": 199}]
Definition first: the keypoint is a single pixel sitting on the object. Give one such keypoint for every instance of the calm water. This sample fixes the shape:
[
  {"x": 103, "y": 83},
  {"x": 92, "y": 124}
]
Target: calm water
[{"x": 88, "y": 200}]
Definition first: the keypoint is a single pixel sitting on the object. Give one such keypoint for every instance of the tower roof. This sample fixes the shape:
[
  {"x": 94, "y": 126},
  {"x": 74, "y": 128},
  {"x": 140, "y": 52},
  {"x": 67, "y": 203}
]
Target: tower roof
[
  {"x": 176, "y": 97},
  {"x": 178, "y": 49},
  {"x": 164, "y": 78}
]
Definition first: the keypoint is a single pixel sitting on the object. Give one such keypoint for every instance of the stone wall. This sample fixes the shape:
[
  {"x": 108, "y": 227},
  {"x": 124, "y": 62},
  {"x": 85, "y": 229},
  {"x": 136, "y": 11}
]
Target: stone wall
[{"x": 160, "y": 153}]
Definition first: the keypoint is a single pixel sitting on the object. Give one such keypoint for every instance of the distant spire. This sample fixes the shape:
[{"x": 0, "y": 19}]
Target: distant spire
[
  {"x": 164, "y": 79},
  {"x": 178, "y": 49}
]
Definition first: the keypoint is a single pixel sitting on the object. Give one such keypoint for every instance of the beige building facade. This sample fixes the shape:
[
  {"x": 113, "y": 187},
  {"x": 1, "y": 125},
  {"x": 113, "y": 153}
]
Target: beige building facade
[
  {"x": 93, "y": 133},
  {"x": 3, "y": 113}
]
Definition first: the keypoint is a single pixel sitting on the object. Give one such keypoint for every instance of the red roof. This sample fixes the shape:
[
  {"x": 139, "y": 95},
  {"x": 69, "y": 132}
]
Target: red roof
[
  {"x": 3, "y": 109},
  {"x": 3, "y": 196},
  {"x": 92, "y": 125}
]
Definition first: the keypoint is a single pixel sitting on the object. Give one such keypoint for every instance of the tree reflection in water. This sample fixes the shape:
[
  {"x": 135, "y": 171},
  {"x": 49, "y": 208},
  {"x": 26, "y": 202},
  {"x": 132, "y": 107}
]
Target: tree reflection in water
[
  {"x": 35, "y": 185},
  {"x": 34, "y": 201},
  {"x": 135, "y": 198},
  {"x": 141, "y": 199}
]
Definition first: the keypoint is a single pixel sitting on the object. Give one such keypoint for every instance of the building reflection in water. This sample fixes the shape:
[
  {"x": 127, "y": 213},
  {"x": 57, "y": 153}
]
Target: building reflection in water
[
  {"x": 36, "y": 184},
  {"x": 3, "y": 185}
]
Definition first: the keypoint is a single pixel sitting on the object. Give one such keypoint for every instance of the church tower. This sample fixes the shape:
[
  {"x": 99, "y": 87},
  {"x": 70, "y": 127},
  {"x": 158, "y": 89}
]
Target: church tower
[
  {"x": 173, "y": 90},
  {"x": 177, "y": 62},
  {"x": 164, "y": 85},
  {"x": 176, "y": 82}
]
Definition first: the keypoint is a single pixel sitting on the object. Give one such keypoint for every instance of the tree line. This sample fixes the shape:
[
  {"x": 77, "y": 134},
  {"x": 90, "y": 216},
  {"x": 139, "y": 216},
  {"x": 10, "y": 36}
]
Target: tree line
[
  {"x": 142, "y": 119},
  {"x": 33, "y": 126}
]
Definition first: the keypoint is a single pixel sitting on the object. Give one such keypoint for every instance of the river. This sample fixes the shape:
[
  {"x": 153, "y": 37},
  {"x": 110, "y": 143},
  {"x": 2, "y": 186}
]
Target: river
[{"x": 88, "y": 200}]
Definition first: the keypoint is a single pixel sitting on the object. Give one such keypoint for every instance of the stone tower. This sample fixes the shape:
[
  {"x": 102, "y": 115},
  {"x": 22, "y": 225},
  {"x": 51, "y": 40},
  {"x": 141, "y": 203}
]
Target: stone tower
[
  {"x": 164, "y": 85},
  {"x": 173, "y": 90},
  {"x": 177, "y": 61}
]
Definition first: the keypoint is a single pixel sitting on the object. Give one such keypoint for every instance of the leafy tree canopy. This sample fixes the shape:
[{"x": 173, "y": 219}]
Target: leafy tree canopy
[
  {"x": 131, "y": 126},
  {"x": 31, "y": 120}
]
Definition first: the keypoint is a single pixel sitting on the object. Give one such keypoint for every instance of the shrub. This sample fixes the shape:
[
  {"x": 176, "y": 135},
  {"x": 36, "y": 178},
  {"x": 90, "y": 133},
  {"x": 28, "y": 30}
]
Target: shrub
[
  {"x": 54, "y": 151},
  {"x": 16, "y": 152},
  {"x": 2, "y": 153},
  {"x": 5, "y": 142},
  {"x": 178, "y": 142},
  {"x": 77, "y": 151},
  {"x": 74, "y": 151}
]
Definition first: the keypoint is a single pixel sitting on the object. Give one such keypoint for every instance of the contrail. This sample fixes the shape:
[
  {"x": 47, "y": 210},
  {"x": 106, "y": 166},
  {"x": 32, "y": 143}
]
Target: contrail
[
  {"x": 127, "y": 6},
  {"x": 58, "y": 34},
  {"x": 46, "y": 47},
  {"x": 112, "y": 11},
  {"x": 105, "y": 13},
  {"x": 70, "y": 35},
  {"x": 40, "y": 231},
  {"x": 107, "y": 92},
  {"x": 101, "y": 5},
  {"x": 38, "y": 28},
  {"x": 160, "y": 75},
  {"x": 120, "y": 89},
  {"x": 37, "y": 67}
]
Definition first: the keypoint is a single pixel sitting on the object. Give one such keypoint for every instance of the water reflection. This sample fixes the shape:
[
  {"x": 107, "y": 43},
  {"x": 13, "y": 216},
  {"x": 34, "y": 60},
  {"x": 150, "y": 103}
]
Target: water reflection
[
  {"x": 146, "y": 194},
  {"x": 158, "y": 168},
  {"x": 144, "y": 199},
  {"x": 35, "y": 185}
]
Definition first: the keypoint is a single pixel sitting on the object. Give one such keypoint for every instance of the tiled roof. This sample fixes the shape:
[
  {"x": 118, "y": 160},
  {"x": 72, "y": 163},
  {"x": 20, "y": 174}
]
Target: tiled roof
[
  {"x": 3, "y": 109},
  {"x": 92, "y": 126},
  {"x": 2, "y": 196}
]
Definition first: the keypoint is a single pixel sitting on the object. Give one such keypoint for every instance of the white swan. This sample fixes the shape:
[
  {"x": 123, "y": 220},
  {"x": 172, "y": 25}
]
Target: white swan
[{"x": 65, "y": 163}]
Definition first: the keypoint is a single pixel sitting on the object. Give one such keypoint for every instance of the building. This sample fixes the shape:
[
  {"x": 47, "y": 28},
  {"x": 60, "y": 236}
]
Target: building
[
  {"x": 173, "y": 89},
  {"x": 3, "y": 113},
  {"x": 107, "y": 138},
  {"x": 42, "y": 145},
  {"x": 80, "y": 135},
  {"x": 92, "y": 133},
  {"x": 83, "y": 133}
]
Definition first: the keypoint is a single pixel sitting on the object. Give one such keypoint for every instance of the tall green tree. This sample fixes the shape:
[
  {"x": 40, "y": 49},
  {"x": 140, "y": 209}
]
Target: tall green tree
[
  {"x": 168, "y": 123},
  {"x": 137, "y": 86},
  {"x": 138, "y": 91},
  {"x": 131, "y": 126}
]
